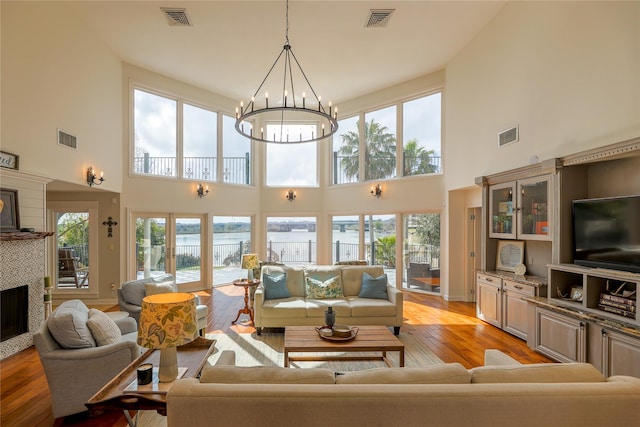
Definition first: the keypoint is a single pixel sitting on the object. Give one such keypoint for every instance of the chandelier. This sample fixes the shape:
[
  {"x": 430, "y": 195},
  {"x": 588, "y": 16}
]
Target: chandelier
[{"x": 290, "y": 105}]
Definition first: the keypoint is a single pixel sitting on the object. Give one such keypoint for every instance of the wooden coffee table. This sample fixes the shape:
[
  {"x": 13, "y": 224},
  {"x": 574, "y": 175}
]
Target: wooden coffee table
[
  {"x": 193, "y": 356},
  {"x": 374, "y": 339}
]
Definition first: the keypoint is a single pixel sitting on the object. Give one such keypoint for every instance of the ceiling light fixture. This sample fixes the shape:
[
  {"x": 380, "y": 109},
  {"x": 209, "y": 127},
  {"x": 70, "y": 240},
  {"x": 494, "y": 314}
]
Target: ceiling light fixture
[{"x": 293, "y": 106}]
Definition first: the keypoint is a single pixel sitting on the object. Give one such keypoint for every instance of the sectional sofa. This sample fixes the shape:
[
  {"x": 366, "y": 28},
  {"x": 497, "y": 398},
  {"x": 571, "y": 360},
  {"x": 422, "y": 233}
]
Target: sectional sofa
[
  {"x": 501, "y": 393},
  {"x": 355, "y": 305}
]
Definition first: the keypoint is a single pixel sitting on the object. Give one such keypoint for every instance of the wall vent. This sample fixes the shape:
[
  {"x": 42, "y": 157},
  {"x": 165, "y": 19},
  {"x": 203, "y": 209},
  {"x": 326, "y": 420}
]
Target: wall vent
[
  {"x": 378, "y": 18},
  {"x": 67, "y": 140},
  {"x": 176, "y": 17},
  {"x": 508, "y": 136}
]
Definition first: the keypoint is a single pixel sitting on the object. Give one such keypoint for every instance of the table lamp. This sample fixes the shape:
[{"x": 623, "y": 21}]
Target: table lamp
[
  {"x": 167, "y": 321},
  {"x": 249, "y": 262}
]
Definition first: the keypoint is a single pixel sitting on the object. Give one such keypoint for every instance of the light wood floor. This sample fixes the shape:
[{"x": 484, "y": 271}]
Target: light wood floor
[{"x": 449, "y": 329}]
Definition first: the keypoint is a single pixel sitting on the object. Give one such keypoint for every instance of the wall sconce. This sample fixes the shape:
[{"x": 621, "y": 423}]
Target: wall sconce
[
  {"x": 290, "y": 195},
  {"x": 92, "y": 178},
  {"x": 376, "y": 190},
  {"x": 202, "y": 191}
]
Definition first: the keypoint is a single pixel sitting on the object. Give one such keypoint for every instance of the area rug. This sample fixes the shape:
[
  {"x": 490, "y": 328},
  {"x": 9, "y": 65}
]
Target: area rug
[{"x": 267, "y": 350}]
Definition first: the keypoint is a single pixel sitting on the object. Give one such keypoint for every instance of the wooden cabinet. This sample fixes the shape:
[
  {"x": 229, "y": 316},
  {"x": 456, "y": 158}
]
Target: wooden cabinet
[
  {"x": 514, "y": 307},
  {"x": 521, "y": 209},
  {"x": 488, "y": 299},
  {"x": 499, "y": 301},
  {"x": 560, "y": 337},
  {"x": 620, "y": 354}
]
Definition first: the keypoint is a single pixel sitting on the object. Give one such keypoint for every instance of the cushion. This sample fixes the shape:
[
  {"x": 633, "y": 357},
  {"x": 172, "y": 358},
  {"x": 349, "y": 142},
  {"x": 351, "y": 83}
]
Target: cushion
[
  {"x": 295, "y": 277},
  {"x": 275, "y": 286},
  {"x": 352, "y": 277},
  {"x": 537, "y": 373},
  {"x": 103, "y": 328},
  {"x": 68, "y": 325},
  {"x": 133, "y": 291},
  {"x": 159, "y": 288},
  {"x": 373, "y": 287},
  {"x": 449, "y": 373},
  {"x": 265, "y": 375},
  {"x": 328, "y": 289}
]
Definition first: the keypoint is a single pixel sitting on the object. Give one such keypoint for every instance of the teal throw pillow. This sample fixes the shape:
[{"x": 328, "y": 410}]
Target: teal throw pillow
[
  {"x": 329, "y": 289},
  {"x": 275, "y": 287},
  {"x": 373, "y": 287}
]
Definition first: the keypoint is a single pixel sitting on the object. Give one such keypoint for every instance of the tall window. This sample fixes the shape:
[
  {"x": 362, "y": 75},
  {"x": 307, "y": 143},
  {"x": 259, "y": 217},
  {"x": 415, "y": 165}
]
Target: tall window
[
  {"x": 282, "y": 170},
  {"x": 231, "y": 239},
  {"x": 346, "y": 149},
  {"x": 421, "y": 251},
  {"x": 291, "y": 240},
  {"x": 199, "y": 143},
  {"x": 421, "y": 129},
  {"x": 380, "y": 144},
  {"x": 236, "y": 151},
  {"x": 155, "y": 134},
  {"x": 345, "y": 238}
]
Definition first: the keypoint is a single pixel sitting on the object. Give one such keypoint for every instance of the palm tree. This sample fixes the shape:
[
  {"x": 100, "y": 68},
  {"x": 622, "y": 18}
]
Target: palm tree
[
  {"x": 379, "y": 156},
  {"x": 417, "y": 160}
]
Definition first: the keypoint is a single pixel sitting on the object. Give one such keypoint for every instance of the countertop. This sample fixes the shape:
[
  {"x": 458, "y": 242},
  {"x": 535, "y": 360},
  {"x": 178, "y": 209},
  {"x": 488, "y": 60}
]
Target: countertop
[{"x": 537, "y": 281}]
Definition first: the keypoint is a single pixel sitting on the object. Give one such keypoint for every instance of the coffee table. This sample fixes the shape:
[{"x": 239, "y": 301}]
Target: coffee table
[
  {"x": 374, "y": 339},
  {"x": 193, "y": 356}
]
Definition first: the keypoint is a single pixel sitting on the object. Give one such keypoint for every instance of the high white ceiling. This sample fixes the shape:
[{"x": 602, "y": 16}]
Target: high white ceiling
[{"x": 231, "y": 44}]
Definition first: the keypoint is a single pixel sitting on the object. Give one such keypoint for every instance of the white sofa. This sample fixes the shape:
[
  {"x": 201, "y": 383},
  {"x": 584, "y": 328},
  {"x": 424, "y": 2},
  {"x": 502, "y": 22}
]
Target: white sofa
[
  {"x": 447, "y": 395},
  {"x": 299, "y": 310}
]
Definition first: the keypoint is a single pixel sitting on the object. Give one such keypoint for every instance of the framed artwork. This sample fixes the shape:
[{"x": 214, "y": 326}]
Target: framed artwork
[
  {"x": 9, "y": 215},
  {"x": 510, "y": 253},
  {"x": 8, "y": 160}
]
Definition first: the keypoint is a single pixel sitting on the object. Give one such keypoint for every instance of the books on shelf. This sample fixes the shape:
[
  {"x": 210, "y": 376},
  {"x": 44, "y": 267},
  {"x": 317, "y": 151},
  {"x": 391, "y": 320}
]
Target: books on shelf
[{"x": 617, "y": 305}]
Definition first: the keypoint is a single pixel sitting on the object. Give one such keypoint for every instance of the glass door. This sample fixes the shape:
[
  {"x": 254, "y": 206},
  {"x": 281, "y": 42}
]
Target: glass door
[{"x": 168, "y": 243}]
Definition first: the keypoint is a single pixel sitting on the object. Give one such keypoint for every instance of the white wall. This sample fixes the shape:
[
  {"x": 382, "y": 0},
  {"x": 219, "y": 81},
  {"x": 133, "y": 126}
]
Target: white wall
[
  {"x": 57, "y": 74},
  {"x": 566, "y": 72}
]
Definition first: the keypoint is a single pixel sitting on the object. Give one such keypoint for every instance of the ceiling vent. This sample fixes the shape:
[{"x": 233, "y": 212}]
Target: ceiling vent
[
  {"x": 67, "y": 140},
  {"x": 378, "y": 18},
  {"x": 508, "y": 136},
  {"x": 176, "y": 17}
]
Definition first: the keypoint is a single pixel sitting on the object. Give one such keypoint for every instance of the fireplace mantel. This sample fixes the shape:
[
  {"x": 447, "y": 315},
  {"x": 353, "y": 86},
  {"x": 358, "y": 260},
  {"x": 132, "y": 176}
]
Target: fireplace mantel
[{"x": 25, "y": 235}]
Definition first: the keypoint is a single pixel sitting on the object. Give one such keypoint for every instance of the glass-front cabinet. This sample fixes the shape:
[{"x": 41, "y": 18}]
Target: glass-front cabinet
[{"x": 520, "y": 209}]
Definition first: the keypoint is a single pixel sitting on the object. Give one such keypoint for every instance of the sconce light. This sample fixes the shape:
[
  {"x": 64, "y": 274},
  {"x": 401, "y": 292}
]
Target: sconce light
[
  {"x": 92, "y": 178},
  {"x": 376, "y": 190},
  {"x": 290, "y": 195},
  {"x": 202, "y": 191}
]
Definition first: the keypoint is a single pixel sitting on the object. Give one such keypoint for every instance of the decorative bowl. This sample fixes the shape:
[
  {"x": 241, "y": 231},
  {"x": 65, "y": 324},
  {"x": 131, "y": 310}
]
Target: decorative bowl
[
  {"x": 326, "y": 332},
  {"x": 341, "y": 331}
]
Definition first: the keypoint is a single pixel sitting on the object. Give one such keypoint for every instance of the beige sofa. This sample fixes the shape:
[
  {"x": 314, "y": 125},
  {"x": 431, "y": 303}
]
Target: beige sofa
[
  {"x": 447, "y": 395},
  {"x": 299, "y": 310}
]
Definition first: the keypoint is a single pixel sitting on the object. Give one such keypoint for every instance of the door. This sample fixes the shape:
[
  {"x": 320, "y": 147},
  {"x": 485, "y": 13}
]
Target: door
[{"x": 168, "y": 243}]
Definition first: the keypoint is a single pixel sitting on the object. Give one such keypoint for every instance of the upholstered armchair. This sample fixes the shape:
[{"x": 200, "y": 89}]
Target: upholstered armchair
[
  {"x": 130, "y": 295},
  {"x": 76, "y": 363}
]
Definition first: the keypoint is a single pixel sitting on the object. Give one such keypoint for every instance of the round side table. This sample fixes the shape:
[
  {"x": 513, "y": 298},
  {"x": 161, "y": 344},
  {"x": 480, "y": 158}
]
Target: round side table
[{"x": 246, "y": 284}]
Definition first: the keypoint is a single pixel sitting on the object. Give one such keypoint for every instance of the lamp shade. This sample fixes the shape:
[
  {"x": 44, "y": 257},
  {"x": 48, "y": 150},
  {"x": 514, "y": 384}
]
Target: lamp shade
[
  {"x": 167, "y": 320},
  {"x": 249, "y": 261}
]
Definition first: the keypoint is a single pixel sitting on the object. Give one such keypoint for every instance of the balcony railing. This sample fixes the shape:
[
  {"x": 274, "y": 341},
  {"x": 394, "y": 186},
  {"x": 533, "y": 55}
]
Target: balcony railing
[
  {"x": 236, "y": 170},
  {"x": 411, "y": 166}
]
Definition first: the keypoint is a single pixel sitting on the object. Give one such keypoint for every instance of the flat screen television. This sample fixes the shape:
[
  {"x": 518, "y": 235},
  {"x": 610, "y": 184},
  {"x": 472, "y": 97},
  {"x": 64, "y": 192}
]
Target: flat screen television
[{"x": 606, "y": 233}]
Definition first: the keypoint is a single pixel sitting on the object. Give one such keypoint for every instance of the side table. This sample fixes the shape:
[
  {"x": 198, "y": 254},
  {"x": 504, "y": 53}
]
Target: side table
[{"x": 246, "y": 309}]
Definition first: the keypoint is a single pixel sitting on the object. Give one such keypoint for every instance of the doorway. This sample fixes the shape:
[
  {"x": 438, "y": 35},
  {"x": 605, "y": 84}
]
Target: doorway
[{"x": 164, "y": 243}]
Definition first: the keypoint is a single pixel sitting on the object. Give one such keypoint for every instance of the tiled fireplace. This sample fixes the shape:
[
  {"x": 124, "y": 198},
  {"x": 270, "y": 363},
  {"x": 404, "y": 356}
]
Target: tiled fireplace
[{"x": 22, "y": 262}]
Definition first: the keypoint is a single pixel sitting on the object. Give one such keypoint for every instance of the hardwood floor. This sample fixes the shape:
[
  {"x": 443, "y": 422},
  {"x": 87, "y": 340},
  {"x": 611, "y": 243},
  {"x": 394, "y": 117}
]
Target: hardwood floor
[{"x": 450, "y": 329}]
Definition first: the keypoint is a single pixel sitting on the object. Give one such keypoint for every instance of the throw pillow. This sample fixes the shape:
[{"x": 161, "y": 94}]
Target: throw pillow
[
  {"x": 373, "y": 287},
  {"x": 275, "y": 287},
  {"x": 68, "y": 325},
  {"x": 329, "y": 289},
  {"x": 158, "y": 288},
  {"x": 103, "y": 328}
]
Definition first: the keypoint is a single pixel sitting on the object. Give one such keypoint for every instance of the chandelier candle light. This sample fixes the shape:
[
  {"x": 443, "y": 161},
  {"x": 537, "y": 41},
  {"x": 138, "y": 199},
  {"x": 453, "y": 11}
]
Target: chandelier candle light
[
  {"x": 167, "y": 321},
  {"x": 290, "y": 108}
]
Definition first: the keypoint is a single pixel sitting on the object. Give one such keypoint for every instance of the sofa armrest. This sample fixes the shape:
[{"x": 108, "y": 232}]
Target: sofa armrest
[
  {"x": 395, "y": 295},
  {"x": 127, "y": 325}
]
